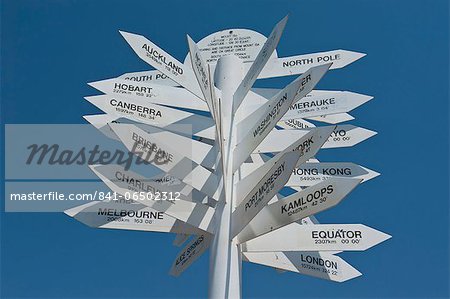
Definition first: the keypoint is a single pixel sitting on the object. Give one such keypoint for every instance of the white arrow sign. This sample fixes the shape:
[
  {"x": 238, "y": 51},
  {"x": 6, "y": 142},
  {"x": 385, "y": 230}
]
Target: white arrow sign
[
  {"x": 299, "y": 205},
  {"x": 318, "y": 103},
  {"x": 295, "y": 124},
  {"x": 205, "y": 80},
  {"x": 128, "y": 215},
  {"x": 347, "y": 135},
  {"x": 317, "y": 264},
  {"x": 162, "y": 61},
  {"x": 142, "y": 111},
  {"x": 304, "y": 124},
  {"x": 342, "y": 136},
  {"x": 190, "y": 253},
  {"x": 259, "y": 63},
  {"x": 299, "y": 64},
  {"x": 100, "y": 122},
  {"x": 317, "y": 237},
  {"x": 309, "y": 174},
  {"x": 150, "y": 92}
]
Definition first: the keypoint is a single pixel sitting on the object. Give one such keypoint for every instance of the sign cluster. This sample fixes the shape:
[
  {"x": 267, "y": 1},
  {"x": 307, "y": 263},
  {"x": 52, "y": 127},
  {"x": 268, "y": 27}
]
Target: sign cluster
[{"x": 238, "y": 145}]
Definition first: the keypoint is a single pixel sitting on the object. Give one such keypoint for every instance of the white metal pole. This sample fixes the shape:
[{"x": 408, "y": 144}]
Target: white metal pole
[{"x": 225, "y": 263}]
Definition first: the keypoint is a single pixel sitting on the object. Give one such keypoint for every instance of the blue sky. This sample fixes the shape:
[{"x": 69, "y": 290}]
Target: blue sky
[{"x": 50, "y": 49}]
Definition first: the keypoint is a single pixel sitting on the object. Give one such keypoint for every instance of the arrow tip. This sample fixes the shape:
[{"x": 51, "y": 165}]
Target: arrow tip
[
  {"x": 72, "y": 212},
  {"x": 351, "y": 57},
  {"x": 189, "y": 40},
  {"x": 371, "y": 174},
  {"x": 124, "y": 33},
  {"x": 92, "y": 100},
  {"x": 129, "y": 36},
  {"x": 356, "y": 55},
  {"x": 96, "y": 84}
]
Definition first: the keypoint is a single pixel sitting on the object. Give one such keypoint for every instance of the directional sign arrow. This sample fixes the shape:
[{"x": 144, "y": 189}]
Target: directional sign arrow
[
  {"x": 190, "y": 253},
  {"x": 259, "y": 63},
  {"x": 202, "y": 74},
  {"x": 347, "y": 135},
  {"x": 317, "y": 237},
  {"x": 318, "y": 103},
  {"x": 162, "y": 61},
  {"x": 142, "y": 111},
  {"x": 342, "y": 136},
  {"x": 317, "y": 264},
  {"x": 304, "y": 124},
  {"x": 299, "y": 205},
  {"x": 150, "y": 92},
  {"x": 128, "y": 215},
  {"x": 308, "y": 174},
  {"x": 296, "y": 123},
  {"x": 299, "y": 64},
  {"x": 168, "y": 159}
]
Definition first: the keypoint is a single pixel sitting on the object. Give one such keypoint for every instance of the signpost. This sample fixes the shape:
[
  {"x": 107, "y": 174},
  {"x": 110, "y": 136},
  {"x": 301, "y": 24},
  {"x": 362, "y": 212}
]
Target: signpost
[
  {"x": 141, "y": 111},
  {"x": 129, "y": 215},
  {"x": 150, "y": 92},
  {"x": 308, "y": 174},
  {"x": 318, "y": 237},
  {"x": 243, "y": 147},
  {"x": 318, "y": 264},
  {"x": 342, "y": 136}
]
